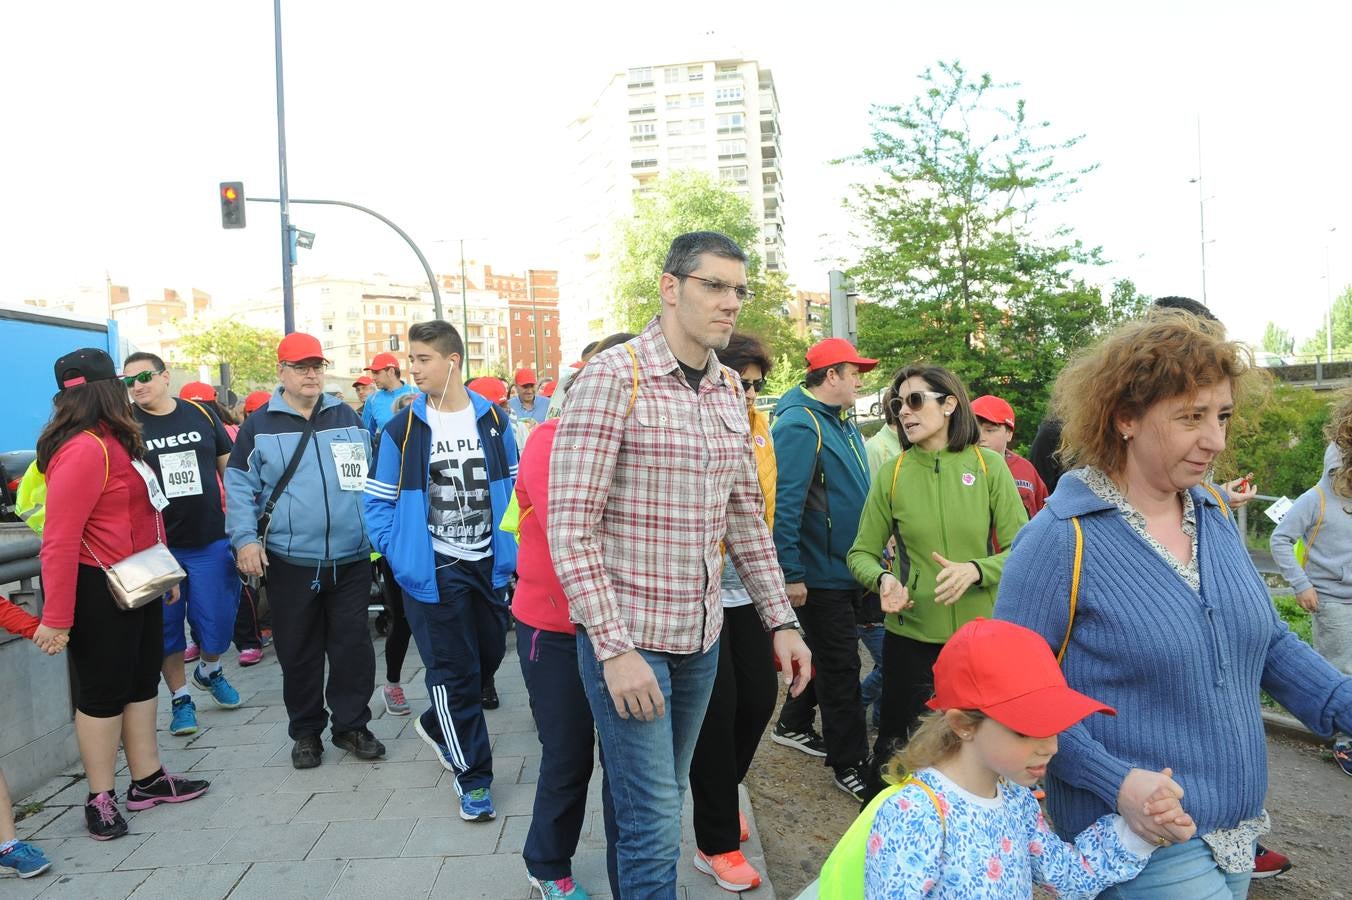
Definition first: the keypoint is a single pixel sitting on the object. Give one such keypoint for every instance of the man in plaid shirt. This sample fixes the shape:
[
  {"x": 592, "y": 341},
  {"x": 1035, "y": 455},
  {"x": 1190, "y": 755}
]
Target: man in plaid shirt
[{"x": 652, "y": 473}]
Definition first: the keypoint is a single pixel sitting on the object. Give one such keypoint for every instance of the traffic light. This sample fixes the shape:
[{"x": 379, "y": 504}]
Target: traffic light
[{"x": 232, "y": 204}]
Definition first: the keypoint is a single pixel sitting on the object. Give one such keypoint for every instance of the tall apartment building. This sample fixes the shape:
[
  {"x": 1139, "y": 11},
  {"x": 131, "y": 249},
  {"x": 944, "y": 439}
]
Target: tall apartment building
[
  {"x": 715, "y": 115},
  {"x": 810, "y": 312}
]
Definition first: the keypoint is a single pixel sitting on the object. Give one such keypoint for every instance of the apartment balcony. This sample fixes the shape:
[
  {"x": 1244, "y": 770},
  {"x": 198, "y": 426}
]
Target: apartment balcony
[
  {"x": 641, "y": 164},
  {"x": 728, "y": 76}
]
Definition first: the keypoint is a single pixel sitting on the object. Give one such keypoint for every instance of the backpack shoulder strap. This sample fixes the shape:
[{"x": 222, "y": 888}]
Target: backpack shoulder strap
[
  {"x": 1318, "y": 523},
  {"x": 815, "y": 424},
  {"x": 202, "y": 409},
  {"x": 981, "y": 458},
  {"x": 896, "y": 470},
  {"x": 1074, "y": 587},
  {"x": 934, "y": 798},
  {"x": 633, "y": 394},
  {"x": 104, "y": 448},
  {"x": 1220, "y": 501}
]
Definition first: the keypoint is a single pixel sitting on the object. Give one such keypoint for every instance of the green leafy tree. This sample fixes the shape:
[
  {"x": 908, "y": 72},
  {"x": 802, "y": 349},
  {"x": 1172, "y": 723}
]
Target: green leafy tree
[
  {"x": 959, "y": 257},
  {"x": 693, "y": 201},
  {"x": 1342, "y": 329},
  {"x": 1277, "y": 339},
  {"x": 251, "y": 352}
]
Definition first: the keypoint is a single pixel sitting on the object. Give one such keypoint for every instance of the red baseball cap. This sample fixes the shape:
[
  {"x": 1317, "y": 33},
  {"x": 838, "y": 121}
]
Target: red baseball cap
[
  {"x": 298, "y": 346},
  {"x": 255, "y": 400},
  {"x": 524, "y": 377},
  {"x": 548, "y": 390},
  {"x": 834, "y": 351},
  {"x": 993, "y": 409},
  {"x": 1009, "y": 673},
  {"x": 577, "y": 365},
  {"x": 197, "y": 390},
  {"x": 494, "y": 390},
  {"x": 364, "y": 381},
  {"x": 383, "y": 361}
]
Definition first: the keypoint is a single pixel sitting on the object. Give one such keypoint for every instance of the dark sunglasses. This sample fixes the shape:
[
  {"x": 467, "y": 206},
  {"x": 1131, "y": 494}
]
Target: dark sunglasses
[
  {"x": 140, "y": 377},
  {"x": 758, "y": 385},
  {"x": 915, "y": 400}
]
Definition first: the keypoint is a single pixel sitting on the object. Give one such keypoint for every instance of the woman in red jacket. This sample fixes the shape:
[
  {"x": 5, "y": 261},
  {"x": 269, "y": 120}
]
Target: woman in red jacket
[
  {"x": 546, "y": 644},
  {"x": 99, "y": 508}
]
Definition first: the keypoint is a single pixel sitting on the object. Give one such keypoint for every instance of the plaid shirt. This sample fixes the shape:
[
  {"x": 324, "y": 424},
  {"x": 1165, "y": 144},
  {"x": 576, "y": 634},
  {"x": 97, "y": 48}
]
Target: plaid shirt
[{"x": 641, "y": 499}]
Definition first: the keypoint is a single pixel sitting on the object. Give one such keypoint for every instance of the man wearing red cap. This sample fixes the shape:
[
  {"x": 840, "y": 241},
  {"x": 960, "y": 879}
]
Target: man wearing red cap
[
  {"x": 364, "y": 386},
  {"x": 187, "y": 446},
  {"x": 525, "y": 404},
  {"x": 378, "y": 405},
  {"x": 996, "y": 418},
  {"x": 306, "y": 534},
  {"x": 823, "y": 480}
]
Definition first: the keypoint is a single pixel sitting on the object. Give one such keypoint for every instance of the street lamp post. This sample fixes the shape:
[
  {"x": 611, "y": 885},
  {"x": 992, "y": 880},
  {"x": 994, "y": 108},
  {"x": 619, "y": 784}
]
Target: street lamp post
[
  {"x": 1328, "y": 299},
  {"x": 288, "y": 293}
]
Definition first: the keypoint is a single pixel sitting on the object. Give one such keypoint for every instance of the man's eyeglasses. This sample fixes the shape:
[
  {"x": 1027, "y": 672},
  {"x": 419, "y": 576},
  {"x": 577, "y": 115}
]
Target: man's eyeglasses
[
  {"x": 914, "y": 400},
  {"x": 306, "y": 368},
  {"x": 715, "y": 286},
  {"x": 758, "y": 385},
  {"x": 140, "y": 378}
]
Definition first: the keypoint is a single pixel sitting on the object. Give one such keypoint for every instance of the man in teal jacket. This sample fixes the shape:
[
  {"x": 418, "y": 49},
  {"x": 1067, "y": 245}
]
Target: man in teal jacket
[{"x": 822, "y": 482}]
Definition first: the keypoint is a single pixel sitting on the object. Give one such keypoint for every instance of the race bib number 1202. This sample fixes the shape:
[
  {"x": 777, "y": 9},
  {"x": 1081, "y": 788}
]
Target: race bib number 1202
[{"x": 350, "y": 461}]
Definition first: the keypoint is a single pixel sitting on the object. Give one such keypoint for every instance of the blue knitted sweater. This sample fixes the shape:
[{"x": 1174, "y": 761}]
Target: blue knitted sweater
[{"x": 1182, "y": 669}]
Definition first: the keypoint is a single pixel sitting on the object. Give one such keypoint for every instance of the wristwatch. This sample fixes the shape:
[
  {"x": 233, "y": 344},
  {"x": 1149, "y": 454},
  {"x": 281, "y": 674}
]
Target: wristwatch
[{"x": 785, "y": 627}]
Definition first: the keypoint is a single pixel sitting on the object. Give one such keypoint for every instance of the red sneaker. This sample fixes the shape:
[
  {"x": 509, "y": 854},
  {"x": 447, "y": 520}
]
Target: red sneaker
[
  {"x": 1269, "y": 863},
  {"x": 730, "y": 870}
]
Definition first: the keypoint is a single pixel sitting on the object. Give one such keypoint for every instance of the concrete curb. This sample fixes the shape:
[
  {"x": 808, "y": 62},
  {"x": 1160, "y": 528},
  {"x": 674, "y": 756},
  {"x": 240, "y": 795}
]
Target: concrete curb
[{"x": 1288, "y": 726}]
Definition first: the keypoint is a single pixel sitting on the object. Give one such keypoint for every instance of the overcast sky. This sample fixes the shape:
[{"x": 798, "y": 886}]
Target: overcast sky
[{"x": 121, "y": 118}]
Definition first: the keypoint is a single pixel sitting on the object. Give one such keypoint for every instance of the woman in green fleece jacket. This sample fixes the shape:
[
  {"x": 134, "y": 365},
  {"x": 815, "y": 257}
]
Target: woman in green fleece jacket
[{"x": 948, "y": 502}]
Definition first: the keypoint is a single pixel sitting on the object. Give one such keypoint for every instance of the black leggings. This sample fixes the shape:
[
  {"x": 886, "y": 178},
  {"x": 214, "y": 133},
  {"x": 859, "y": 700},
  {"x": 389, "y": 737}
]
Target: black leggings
[
  {"x": 115, "y": 652},
  {"x": 396, "y": 641},
  {"x": 908, "y": 683}
]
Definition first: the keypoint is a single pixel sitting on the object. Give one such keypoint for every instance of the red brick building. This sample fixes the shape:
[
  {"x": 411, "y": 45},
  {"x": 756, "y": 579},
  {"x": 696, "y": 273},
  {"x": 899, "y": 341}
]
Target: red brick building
[{"x": 533, "y": 340}]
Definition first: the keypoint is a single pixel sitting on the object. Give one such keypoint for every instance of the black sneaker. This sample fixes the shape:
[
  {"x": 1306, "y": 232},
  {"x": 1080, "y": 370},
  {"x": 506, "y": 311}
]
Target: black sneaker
[
  {"x": 850, "y": 779},
  {"x": 1342, "y": 755},
  {"x": 488, "y": 698},
  {"x": 103, "y": 818},
  {"x": 808, "y": 741},
  {"x": 361, "y": 743},
  {"x": 305, "y": 754},
  {"x": 165, "y": 789}
]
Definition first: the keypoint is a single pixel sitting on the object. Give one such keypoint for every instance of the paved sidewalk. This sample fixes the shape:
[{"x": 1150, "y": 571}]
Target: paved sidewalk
[{"x": 346, "y": 829}]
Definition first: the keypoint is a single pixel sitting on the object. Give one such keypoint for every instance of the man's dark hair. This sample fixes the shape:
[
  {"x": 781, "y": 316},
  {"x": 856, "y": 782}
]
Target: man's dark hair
[
  {"x": 745, "y": 350},
  {"x": 142, "y": 356},
  {"x": 1186, "y": 304},
  {"x": 815, "y": 377},
  {"x": 686, "y": 249},
  {"x": 438, "y": 334}
]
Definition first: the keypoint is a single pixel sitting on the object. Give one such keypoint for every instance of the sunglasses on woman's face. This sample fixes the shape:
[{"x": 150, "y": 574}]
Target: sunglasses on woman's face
[
  {"x": 138, "y": 378},
  {"x": 915, "y": 400},
  {"x": 758, "y": 385}
]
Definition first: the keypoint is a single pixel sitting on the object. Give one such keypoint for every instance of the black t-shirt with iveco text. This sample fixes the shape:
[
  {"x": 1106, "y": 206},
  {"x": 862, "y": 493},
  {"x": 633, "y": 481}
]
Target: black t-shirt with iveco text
[{"x": 182, "y": 447}]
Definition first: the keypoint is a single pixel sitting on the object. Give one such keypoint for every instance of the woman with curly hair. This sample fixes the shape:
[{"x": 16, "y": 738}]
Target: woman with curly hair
[{"x": 1136, "y": 574}]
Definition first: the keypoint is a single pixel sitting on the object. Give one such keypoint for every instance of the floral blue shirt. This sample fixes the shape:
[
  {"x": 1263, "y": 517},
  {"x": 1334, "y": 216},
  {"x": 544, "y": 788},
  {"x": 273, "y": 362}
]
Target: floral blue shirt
[{"x": 992, "y": 848}]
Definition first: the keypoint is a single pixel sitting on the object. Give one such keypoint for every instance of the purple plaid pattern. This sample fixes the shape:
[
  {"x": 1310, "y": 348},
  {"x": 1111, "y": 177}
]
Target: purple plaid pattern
[{"x": 640, "y": 504}]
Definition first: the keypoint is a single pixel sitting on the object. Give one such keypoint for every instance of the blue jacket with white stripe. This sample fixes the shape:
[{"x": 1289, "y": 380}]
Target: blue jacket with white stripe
[
  {"x": 315, "y": 520},
  {"x": 396, "y": 500}
]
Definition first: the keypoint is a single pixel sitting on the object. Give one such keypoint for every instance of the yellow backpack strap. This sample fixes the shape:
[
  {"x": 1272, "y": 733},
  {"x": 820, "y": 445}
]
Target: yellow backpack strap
[
  {"x": 104, "y": 447},
  {"x": 1220, "y": 501},
  {"x": 817, "y": 425},
  {"x": 203, "y": 410},
  {"x": 403, "y": 453},
  {"x": 1318, "y": 523},
  {"x": 896, "y": 470},
  {"x": 633, "y": 394},
  {"x": 981, "y": 458},
  {"x": 1074, "y": 587},
  {"x": 934, "y": 798}
]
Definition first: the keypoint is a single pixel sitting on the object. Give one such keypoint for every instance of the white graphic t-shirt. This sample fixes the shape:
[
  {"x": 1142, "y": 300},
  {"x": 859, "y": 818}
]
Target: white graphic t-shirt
[{"x": 459, "y": 512}]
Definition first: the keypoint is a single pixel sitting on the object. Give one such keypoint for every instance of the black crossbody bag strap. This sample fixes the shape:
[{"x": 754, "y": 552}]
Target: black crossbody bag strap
[{"x": 265, "y": 520}]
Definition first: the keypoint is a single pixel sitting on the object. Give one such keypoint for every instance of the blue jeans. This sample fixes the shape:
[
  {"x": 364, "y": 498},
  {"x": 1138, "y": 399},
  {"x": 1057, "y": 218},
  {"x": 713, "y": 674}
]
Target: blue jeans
[
  {"x": 648, "y": 763},
  {"x": 1184, "y": 871},
  {"x": 871, "y": 688}
]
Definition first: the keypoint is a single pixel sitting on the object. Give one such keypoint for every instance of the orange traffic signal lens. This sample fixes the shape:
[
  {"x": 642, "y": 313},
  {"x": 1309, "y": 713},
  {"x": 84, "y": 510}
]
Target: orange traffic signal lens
[{"x": 229, "y": 193}]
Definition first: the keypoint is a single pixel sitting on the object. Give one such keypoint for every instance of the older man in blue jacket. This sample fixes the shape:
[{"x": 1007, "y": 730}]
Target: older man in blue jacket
[{"x": 312, "y": 548}]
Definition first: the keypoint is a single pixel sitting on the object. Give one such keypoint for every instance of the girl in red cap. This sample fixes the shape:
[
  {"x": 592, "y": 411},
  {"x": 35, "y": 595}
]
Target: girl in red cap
[{"x": 965, "y": 824}]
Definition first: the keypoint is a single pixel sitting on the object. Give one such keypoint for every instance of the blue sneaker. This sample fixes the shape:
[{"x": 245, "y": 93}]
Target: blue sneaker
[
  {"x": 477, "y": 806},
  {"x": 443, "y": 752},
  {"x": 185, "y": 717},
  {"x": 215, "y": 684},
  {"x": 560, "y": 888},
  {"x": 24, "y": 860}
]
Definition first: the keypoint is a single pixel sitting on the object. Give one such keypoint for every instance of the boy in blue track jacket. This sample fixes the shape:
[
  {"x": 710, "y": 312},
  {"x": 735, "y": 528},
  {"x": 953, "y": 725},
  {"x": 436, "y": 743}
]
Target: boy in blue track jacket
[{"x": 444, "y": 476}]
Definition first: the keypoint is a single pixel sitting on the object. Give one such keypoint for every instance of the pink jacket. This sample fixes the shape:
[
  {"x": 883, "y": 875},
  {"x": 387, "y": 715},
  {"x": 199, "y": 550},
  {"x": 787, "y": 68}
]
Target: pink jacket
[{"x": 539, "y": 599}]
